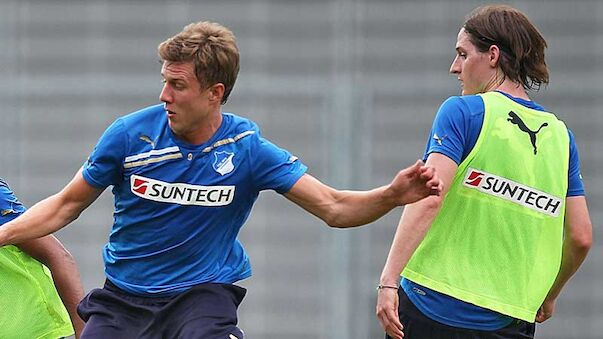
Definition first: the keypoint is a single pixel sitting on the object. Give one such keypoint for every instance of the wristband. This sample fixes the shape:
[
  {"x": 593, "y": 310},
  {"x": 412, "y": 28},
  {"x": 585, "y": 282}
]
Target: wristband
[{"x": 380, "y": 287}]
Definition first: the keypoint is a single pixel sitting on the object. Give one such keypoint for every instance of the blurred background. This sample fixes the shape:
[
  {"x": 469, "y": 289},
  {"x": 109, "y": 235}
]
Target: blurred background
[{"x": 349, "y": 86}]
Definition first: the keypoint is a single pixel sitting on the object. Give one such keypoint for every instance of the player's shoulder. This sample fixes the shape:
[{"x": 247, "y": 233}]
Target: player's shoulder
[
  {"x": 146, "y": 121},
  {"x": 465, "y": 103},
  {"x": 461, "y": 108},
  {"x": 145, "y": 116},
  {"x": 238, "y": 126},
  {"x": 238, "y": 123}
]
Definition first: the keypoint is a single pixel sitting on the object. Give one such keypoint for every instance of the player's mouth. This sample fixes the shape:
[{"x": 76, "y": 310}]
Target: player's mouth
[{"x": 169, "y": 112}]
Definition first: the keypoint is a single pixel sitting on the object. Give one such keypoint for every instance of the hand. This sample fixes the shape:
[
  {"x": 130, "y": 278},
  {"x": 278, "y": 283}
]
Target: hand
[
  {"x": 415, "y": 183},
  {"x": 546, "y": 310},
  {"x": 387, "y": 312}
]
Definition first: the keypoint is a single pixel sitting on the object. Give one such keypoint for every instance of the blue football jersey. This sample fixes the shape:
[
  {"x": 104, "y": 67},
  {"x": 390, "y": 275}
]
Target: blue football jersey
[{"x": 179, "y": 207}]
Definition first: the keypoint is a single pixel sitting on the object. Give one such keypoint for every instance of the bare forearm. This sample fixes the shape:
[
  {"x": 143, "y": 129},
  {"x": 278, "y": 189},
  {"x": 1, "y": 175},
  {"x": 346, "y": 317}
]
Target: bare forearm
[
  {"x": 45, "y": 217},
  {"x": 341, "y": 208},
  {"x": 67, "y": 282},
  {"x": 578, "y": 237},
  {"x": 414, "y": 224},
  {"x": 573, "y": 256},
  {"x": 355, "y": 208},
  {"x": 352, "y": 209}
]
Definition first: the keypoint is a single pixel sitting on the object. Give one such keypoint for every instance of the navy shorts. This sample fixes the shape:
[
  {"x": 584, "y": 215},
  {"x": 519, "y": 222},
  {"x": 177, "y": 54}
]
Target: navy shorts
[
  {"x": 207, "y": 311},
  {"x": 418, "y": 326}
]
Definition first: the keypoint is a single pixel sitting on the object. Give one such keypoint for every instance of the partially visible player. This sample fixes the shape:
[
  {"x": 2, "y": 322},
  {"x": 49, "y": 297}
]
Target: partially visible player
[
  {"x": 185, "y": 176},
  {"x": 490, "y": 257},
  {"x": 31, "y": 273}
]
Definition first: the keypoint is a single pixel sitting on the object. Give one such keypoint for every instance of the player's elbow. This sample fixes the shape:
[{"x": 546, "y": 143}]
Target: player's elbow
[
  {"x": 66, "y": 257},
  {"x": 582, "y": 240},
  {"x": 58, "y": 257},
  {"x": 340, "y": 219},
  {"x": 583, "y": 244},
  {"x": 335, "y": 221},
  {"x": 432, "y": 203}
]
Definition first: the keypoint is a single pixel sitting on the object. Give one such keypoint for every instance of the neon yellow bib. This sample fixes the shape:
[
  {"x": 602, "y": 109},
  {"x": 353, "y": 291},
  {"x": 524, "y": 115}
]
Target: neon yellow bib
[
  {"x": 29, "y": 303},
  {"x": 497, "y": 239}
]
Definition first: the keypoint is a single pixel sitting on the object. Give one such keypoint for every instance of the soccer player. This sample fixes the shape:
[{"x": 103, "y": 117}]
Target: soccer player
[
  {"x": 29, "y": 303},
  {"x": 185, "y": 176},
  {"x": 490, "y": 256}
]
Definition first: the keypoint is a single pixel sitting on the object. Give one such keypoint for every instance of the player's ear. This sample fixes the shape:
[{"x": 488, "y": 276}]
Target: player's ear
[
  {"x": 216, "y": 92},
  {"x": 493, "y": 55}
]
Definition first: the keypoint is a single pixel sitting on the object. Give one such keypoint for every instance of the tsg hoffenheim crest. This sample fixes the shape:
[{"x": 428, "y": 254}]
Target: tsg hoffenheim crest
[{"x": 223, "y": 163}]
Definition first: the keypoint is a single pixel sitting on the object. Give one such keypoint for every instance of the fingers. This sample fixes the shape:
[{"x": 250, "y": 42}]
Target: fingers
[
  {"x": 542, "y": 317},
  {"x": 427, "y": 172},
  {"x": 387, "y": 314},
  {"x": 433, "y": 181},
  {"x": 391, "y": 326},
  {"x": 413, "y": 170},
  {"x": 543, "y": 314},
  {"x": 436, "y": 187},
  {"x": 394, "y": 329},
  {"x": 415, "y": 183},
  {"x": 546, "y": 310},
  {"x": 435, "y": 191}
]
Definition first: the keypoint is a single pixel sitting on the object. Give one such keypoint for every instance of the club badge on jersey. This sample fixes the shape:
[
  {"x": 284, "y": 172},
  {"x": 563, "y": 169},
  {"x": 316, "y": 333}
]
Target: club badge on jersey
[{"x": 223, "y": 162}]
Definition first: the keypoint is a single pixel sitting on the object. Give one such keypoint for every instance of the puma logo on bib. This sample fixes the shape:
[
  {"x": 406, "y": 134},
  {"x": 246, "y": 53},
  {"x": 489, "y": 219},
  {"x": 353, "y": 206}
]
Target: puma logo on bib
[{"x": 516, "y": 120}]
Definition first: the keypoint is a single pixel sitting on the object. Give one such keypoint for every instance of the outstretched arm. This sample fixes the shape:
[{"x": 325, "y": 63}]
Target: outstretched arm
[
  {"x": 577, "y": 241},
  {"x": 414, "y": 224},
  {"x": 52, "y": 213},
  {"x": 49, "y": 251},
  {"x": 355, "y": 208}
]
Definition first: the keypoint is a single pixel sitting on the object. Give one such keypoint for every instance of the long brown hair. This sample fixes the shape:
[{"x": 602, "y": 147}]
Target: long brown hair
[{"x": 520, "y": 43}]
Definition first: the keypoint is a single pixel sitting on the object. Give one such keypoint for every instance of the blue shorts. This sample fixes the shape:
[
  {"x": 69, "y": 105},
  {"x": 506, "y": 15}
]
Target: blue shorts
[
  {"x": 207, "y": 311},
  {"x": 418, "y": 326}
]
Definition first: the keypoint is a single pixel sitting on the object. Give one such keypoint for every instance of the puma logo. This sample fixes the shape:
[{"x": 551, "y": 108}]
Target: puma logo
[
  {"x": 515, "y": 119},
  {"x": 438, "y": 139},
  {"x": 147, "y": 139}
]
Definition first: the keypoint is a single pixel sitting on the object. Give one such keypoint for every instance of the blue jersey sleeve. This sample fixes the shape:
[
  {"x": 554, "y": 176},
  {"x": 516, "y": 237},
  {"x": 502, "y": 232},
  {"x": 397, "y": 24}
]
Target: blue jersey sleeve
[
  {"x": 456, "y": 127},
  {"x": 273, "y": 167},
  {"x": 10, "y": 206},
  {"x": 575, "y": 185},
  {"x": 104, "y": 166}
]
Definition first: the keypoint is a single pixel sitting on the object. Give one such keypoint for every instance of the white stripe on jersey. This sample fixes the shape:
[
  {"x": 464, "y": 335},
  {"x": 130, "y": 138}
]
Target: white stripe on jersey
[
  {"x": 151, "y": 153},
  {"x": 227, "y": 141},
  {"x": 152, "y": 160}
]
